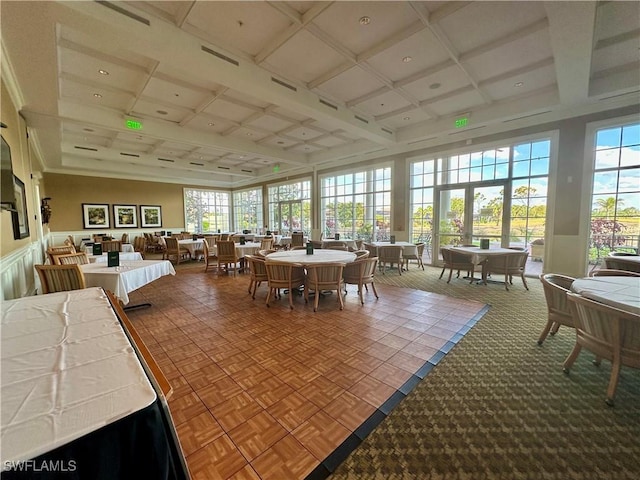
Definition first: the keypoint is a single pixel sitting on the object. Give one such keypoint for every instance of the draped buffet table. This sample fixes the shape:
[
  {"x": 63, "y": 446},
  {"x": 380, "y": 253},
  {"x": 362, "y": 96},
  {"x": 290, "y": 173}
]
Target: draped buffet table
[{"x": 75, "y": 395}]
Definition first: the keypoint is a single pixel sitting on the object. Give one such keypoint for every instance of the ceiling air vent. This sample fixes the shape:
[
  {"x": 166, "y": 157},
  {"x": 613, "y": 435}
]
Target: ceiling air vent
[
  {"x": 618, "y": 95},
  {"x": 363, "y": 120},
  {"x": 221, "y": 56},
  {"x": 86, "y": 148},
  {"x": 197, "y": 164},
  {"x": 330, "y": 105},
  {"x": 224, "y": 168},
  {"x": 386, "y": 130},
  {"x": 124, "y": 12},
  {"x": 284, "y": 84},
  {"x": 246, "y": 171},
  {"x": 526, "y": 116},
  {"x": 129, "y": 155},
  {"x": 166, "y": 160}
]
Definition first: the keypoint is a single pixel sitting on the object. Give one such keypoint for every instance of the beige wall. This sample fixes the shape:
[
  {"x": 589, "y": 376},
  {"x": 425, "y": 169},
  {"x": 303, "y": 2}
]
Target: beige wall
[
  {"x": 15, "y": 135},
  {"x": 69, "y": 192}
]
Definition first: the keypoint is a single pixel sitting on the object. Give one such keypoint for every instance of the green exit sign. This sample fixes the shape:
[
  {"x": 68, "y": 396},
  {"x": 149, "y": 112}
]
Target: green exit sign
[
  {"x": 461, "y": 122},
  {"x": 133, "y": 124}
]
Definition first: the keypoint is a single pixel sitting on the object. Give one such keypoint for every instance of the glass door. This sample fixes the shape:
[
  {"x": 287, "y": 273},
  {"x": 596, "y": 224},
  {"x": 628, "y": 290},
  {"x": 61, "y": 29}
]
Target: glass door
[
  {"x": 466, "y": 215},
  {"x": 289, "y": 217}
]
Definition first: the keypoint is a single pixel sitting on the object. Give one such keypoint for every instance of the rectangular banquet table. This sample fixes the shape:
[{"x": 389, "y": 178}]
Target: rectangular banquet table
[
  {"x": 126, "y": 278},
  {"x": 74, "y": 391}
]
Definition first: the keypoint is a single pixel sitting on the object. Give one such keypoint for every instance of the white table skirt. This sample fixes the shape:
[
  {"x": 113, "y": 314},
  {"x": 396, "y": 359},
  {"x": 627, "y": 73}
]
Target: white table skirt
[
  {"x": 619, "y": 292},
  {"x": 249, "y": 248},
  {"x": 126, "y": 278},
  {"x": 130, "y": 257},
  {"x": 478, "y": 255},
  {"x": 126, "y": 248},
  {"x": 319, "y": 256},
  {"x": 68, "y": 369},
  {"x": 192, "y": 245},
  {"x": 349, "y": 243}
]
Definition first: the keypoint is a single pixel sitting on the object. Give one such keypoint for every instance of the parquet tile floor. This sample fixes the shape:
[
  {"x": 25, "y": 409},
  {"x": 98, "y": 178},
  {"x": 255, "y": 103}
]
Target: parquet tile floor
[{"x": 273, "y": 393}]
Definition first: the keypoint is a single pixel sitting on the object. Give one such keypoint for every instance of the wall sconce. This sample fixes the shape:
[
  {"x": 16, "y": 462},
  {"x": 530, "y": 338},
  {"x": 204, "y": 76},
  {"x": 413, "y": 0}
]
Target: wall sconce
[{"x": 45, "y": 210}]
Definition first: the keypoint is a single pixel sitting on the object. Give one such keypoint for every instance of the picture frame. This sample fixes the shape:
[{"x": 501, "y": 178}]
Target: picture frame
[
  {"x": 150, "y": 216},
  {"x": 95, "y": 215},
  {"x": 125, "y": 216},
  {"x": 19, "y": 216}
]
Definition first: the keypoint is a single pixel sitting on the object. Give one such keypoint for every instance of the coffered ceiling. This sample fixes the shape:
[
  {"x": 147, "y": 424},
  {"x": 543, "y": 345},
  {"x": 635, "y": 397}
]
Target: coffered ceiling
[{"x": 231, "y": 93}]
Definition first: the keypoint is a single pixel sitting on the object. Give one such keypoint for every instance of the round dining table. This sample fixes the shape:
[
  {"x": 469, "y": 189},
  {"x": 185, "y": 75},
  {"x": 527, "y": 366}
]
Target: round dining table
[
  {"x": 318, "y": 256},
  {"x": 618, "y": 292}
]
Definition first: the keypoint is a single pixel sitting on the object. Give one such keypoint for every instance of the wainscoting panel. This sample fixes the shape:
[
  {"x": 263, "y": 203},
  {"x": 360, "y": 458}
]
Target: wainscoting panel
[{"x": 17, "y": 272}]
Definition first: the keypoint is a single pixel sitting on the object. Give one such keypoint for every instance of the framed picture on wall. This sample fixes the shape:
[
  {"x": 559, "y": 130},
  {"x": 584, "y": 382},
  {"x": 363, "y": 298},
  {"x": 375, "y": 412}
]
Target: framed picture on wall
[
  {"x": 125, "y": 216},
  {"x": 95, "y": 215},
  {"x": 19, "y": 215},
  {"x": 150, "y": 216}
]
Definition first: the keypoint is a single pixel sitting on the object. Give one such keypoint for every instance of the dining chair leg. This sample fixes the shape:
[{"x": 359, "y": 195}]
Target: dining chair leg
[{"x": 568, "y": 363}]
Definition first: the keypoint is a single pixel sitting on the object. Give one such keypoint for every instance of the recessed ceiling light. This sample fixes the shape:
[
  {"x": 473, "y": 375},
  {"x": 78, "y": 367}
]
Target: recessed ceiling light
[
  {"x": 518, "y": 84},
  {"x": 280, "y": 142},
  {"x": 211, "y": 124},
  {"x": 306, "y": 148},
  {"x": 97, "y": 95},
  {"x": 406, "y": 118},
  {"x": 364, "y": 20},
  {"x": 435, "y": 86},
  {"x": 249, "y": 134},
  {"x": 407, "y": 59},
  {"x": 103, "y": 72},
  {"x": 162, "y": 112},
  {"x": 176, "y": 94}
]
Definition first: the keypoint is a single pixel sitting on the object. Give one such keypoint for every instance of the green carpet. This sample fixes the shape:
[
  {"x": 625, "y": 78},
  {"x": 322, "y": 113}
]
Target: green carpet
[{"x": 499, "y": 406}]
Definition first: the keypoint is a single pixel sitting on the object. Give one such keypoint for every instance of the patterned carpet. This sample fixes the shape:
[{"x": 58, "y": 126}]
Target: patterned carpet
[{"x": 500, "y": 407}]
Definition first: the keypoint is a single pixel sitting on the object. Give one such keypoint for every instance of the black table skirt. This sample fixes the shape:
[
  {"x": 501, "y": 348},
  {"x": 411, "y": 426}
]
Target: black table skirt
[{"x": 140, "y": 446}]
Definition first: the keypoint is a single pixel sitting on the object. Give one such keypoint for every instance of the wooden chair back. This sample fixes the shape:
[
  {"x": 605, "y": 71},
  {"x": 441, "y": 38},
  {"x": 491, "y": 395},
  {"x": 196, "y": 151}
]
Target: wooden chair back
[
  {"x": 71, "y": 259},
  {"x": 61, "y": 250},
  {"x": 60, "y": 278},
  {"x": 322, "y": 277},
  {"x": 392, "y": 255},
  {"x": 622, "y": 262},
  {"x": 556, "y": 287},
  {"x": 111, "y": 246},
  {"x": 361, "y": 273},
  {"x": 284, "y": 275},
  {"x": 297, "y": 239}
]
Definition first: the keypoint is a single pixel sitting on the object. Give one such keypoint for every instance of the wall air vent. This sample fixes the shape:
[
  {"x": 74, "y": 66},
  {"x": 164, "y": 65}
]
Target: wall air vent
[
  {"x": 129, "y": 155},
  {"x": 86, "y": 148},
  {"x": 221, "y": 56},
  {"x": 246, "y": 171},
  {"x": 197, "y": 164},
  {"x": 166, "y": 160},
  {"x": 525, "y": 116},
  {"x": 284, "y": 84},
  {"x": 330, "y": 105},
  {"x": 420, "y": 141},
  {"x": 224, "y": 168},
  {"x": 386, "y": 130},
  {"x": 124, "y": 12},
  {"x": 363, "y": 120}
]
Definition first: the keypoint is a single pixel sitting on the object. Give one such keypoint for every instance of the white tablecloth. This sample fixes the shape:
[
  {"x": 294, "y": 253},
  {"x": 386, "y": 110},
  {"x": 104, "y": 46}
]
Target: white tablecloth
[
  {"x": 319, "y": 256},
  {"x": 284, "y": 241},
  {"x": 249, "y": 248},
  {"x": 192, "y": 245},
  {"x": 126, "y": 278},
  {"x": 349, "y": 243},
  {"x": 478, "y": 255},
  {"x": 619, "y": 292},
  {"x": 123, "y": 257},
  {"x": 67, "y": 369},
  {"x": 126, "y": 248}
]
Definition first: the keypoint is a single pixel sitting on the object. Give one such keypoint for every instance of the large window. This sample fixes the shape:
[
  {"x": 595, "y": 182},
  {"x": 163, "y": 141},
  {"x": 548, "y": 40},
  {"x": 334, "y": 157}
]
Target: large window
[
  {"x": 615, "y": 202},
  {"x": 290, "y": 207},
  {"x": 247, "y": 210},
  {"x": 357, "y": 205},
  {"x": 206, "y": 211},
  {"x": 499, "y": 193}
]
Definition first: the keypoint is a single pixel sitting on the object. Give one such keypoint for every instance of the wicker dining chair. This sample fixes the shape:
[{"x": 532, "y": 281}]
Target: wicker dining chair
[
  {"x": 622, "y": 262},
  {"x": 392, "y": 255},
  {"x": 556, "y": 287},
  {"x": 71, "y": 259},
  {"x": 210, "y": 255},
  {"x": 283, "y": 275},
  {"x": 61, "y": 250},
  {"x": 258, "y": 272},
  {"x": 227, "y": 255},
  {"x": 508, "y": 264},
  {"x": 456, "y": 261},
  {"x": 60, "y": 278},
  {"x": 361, "y": 273},
  {"x": 297, "y": 239},
  {"x": 610, "y": 272},
  {"x": 610, "y": 333},
  {"x": 417, "y": 256},
  {"x": 322, "y": 277},
  {"x": 175, "y": 250}
]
